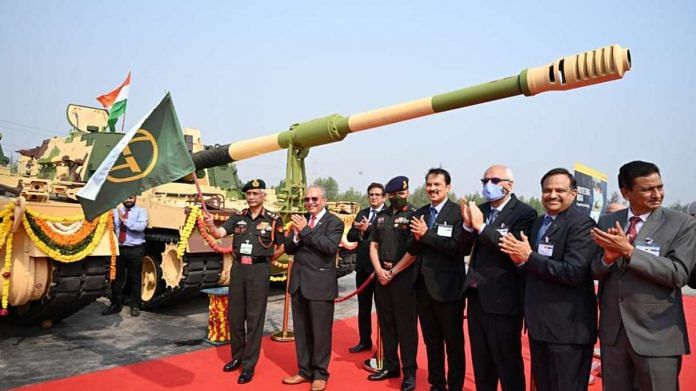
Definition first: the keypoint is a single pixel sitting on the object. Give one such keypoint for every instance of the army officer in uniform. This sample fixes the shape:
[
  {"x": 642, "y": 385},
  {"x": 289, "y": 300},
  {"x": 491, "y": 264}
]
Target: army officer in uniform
[
  {"x": 395, "y": 295},
  {"x": 258, "y": 239}
]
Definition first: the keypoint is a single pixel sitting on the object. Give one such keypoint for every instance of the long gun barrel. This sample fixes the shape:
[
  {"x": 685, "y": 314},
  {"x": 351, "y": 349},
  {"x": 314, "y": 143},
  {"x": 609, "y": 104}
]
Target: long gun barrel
[{"x": 580, "y": 70}]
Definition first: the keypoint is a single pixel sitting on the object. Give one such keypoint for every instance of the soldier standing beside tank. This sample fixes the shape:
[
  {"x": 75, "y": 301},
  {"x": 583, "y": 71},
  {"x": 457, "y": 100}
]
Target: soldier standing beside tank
[
  {"x": 363, "y": 266},
  {"x": 130, "y": 222},
  {"x": 258, "y": 239},
  {"x": 395, "y": 295}
]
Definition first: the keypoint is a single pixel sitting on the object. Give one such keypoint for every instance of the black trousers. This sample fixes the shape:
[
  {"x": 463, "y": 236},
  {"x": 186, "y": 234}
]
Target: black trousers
[
  {"x": 365, "y": 307},
  {"x": 625, "y": 370},
  {"x": 312, "y": 322},
  {"x": 496, "y": 347},
  {"x": 560, "y": 367},
  {"x": 129, "y": 273},
  {"x": 442, "y": 324},
  {"x": 398, "y": 322},
  {"x": 248, "y": 296}
]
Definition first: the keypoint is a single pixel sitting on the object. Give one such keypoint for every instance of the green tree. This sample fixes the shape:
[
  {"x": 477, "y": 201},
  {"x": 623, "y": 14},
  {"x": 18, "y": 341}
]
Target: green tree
[
  {"x": 534, "y": 203},
  {"x": 330, "y": 185},
  {"x": 353, "y": 195},
  {"x": 679, "y": 206}
]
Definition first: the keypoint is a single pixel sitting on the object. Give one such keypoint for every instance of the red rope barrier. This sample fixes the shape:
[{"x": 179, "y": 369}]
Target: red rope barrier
[{"x": 355, "y": 292}]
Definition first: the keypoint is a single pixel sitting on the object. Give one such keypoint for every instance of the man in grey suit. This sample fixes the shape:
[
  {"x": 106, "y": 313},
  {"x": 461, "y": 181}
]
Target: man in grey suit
[
  {"x": 645, "y": 257},
  {"x": 313, "y": 241}
]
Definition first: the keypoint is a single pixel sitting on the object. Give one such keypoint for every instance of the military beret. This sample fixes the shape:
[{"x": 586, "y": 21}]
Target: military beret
[
  {"x": 254, "y": 184},
  {"x": 396, "y": 184}
]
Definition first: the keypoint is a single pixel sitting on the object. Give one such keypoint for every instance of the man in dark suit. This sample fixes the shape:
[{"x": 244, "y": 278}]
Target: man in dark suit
[
  {"x": 560, "y": 306},
  {"x": 437, "y": 228},
  {"x": 642, "y": 330},
  {"x": 495, "y": 283},
  {"x": 360, "y": 233},
  {"x": 314, "y": 242}
]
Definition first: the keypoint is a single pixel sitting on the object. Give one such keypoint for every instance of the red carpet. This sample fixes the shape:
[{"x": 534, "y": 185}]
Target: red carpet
[{"x": 202, "y": 370}]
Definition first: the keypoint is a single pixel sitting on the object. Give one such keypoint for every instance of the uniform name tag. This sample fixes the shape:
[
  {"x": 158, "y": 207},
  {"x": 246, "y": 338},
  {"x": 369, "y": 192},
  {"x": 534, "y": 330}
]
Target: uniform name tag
[
  {"x": 545, "y": 249},
  {"x": 444, "y": 230},
  {"x": 654, "y": 250},
  {"x": 246, "y": 248}
]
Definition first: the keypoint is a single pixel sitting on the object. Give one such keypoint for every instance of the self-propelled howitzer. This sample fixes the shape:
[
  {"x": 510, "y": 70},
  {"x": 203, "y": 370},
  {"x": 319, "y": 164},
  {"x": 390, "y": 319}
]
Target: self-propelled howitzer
[{"x": 580, "y": 70}]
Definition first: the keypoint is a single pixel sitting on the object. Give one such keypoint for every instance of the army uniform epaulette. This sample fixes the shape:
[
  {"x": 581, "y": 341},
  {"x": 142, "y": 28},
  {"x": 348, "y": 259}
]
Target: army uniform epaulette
[
  {"x": 411, "y": 208},
  {"x": 241, "y": 212},
  {"x": 270, "y": 214}
]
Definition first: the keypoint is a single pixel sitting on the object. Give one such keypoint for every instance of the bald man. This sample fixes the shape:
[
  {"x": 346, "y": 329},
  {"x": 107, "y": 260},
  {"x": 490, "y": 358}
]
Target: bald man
[{"x": 495, "y": 283}]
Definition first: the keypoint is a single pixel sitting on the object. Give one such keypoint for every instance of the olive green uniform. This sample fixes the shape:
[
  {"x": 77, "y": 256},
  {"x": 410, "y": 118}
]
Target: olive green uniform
[
  {"x": 396, "y": 302},
  {"x": 254, "y": 243}
]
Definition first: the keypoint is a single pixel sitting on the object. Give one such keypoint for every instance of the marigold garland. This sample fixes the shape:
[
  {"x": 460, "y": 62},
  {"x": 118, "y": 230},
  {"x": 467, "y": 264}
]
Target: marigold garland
[
  {"x": 112, "y": 247},
  {"x": 64, "y": 253},
  {"x": 65, "y": 238},
  {"x": 186, "y": 231},
  {"x": 7, "y": 273},
  {"x": 212, "y": 243},
  {"x": 5, "y": 235},
  {"x": 203, "y": 230},
  {"x": 55, "y": 219}
]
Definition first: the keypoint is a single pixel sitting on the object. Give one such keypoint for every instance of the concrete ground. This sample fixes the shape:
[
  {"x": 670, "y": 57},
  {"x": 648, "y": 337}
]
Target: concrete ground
[{"x": 86, "y": 341}]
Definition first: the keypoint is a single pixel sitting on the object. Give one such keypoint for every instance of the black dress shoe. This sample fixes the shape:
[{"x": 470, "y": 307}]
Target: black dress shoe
[
  {"x": 113, "y": 309},
  {"x": 232, "y": 365},
  {"x": 383, "y": 375},
  {"x": 245, "y": 376},
  {"x": 135, "y": 311},
  {"x": 360, "y": 347},
  {"x": 435, "y": 388},
  {"x": 409, "y": 383}
]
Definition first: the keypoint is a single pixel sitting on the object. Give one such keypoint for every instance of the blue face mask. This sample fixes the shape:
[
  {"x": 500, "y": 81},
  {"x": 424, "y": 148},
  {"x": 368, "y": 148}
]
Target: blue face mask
[{"x": 492, "y": 192}]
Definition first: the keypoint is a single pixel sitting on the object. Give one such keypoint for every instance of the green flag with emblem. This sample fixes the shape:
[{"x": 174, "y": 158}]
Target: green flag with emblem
[{"x": 152, "y": 153}]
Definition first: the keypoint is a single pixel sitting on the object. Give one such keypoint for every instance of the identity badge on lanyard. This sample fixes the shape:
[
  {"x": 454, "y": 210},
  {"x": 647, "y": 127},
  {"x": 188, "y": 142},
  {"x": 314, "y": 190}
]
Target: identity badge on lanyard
[
  {"x": 246, "y": 248},
  {"x": 444, "y": 230},
  {"x": 648, "y": 246},
  {"x": 545, "y": 248}
]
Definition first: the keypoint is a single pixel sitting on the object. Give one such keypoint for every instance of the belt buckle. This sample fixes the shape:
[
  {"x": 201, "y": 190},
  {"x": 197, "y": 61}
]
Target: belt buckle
[{"x": 246, "y": 260}]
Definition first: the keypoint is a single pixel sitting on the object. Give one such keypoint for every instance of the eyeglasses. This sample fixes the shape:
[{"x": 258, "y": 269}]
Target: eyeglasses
[
  {"x": 375, "y": 194},
  {"x": 494, "y": 180},
  {"x": 312, "y": 199}
]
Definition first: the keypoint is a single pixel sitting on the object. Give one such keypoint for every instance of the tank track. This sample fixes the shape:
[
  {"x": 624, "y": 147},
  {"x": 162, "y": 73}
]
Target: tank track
[
  {"x": 73, "y": 286},
  {"x": 201, "y": 271},
  {"x": 345, "y": 263}
]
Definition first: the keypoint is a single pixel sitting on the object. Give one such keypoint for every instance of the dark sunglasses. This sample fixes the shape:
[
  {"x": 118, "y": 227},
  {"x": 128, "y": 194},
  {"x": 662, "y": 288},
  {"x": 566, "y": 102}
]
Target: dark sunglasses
[
  {"x": 313, "y": 199},
  {"x": 494, "y": 180}
]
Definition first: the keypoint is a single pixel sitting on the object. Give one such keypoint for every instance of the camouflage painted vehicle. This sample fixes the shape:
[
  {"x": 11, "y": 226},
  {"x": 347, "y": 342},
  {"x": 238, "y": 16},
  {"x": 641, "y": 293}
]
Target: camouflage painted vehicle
[
  {"x": 48, "y": 179},
  {"x": 61, "y": 166}
]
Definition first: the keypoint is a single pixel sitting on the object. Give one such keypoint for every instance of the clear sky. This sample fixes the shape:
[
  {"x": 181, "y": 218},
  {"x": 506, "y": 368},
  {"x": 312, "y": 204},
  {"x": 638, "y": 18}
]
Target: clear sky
[{"x": 238, "y": 70}]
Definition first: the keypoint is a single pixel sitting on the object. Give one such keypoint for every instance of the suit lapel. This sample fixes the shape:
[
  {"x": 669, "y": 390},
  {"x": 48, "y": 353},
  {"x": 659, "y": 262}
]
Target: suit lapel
[
  {"x": 651, "y": 226},
  {"x": 507, "y": 210},
  {"x": 557, "y": 222},
  {"x": 536, "y": 226}
]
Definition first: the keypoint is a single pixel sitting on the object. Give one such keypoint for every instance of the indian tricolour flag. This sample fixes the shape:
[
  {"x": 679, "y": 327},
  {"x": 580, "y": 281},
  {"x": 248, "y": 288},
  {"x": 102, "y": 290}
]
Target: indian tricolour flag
[{"x": 115, "y": 102}]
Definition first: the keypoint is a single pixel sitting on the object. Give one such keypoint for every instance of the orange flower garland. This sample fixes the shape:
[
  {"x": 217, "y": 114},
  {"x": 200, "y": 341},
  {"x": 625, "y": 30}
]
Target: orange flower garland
[
  {"x": 86, "y": 228},
  {"x": 112, "y": 247},
  {"x": 210, "y": 240}
]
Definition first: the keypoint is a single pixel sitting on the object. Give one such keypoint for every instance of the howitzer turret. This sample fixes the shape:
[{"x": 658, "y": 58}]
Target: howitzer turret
[{"x": 580, "y": 70}]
